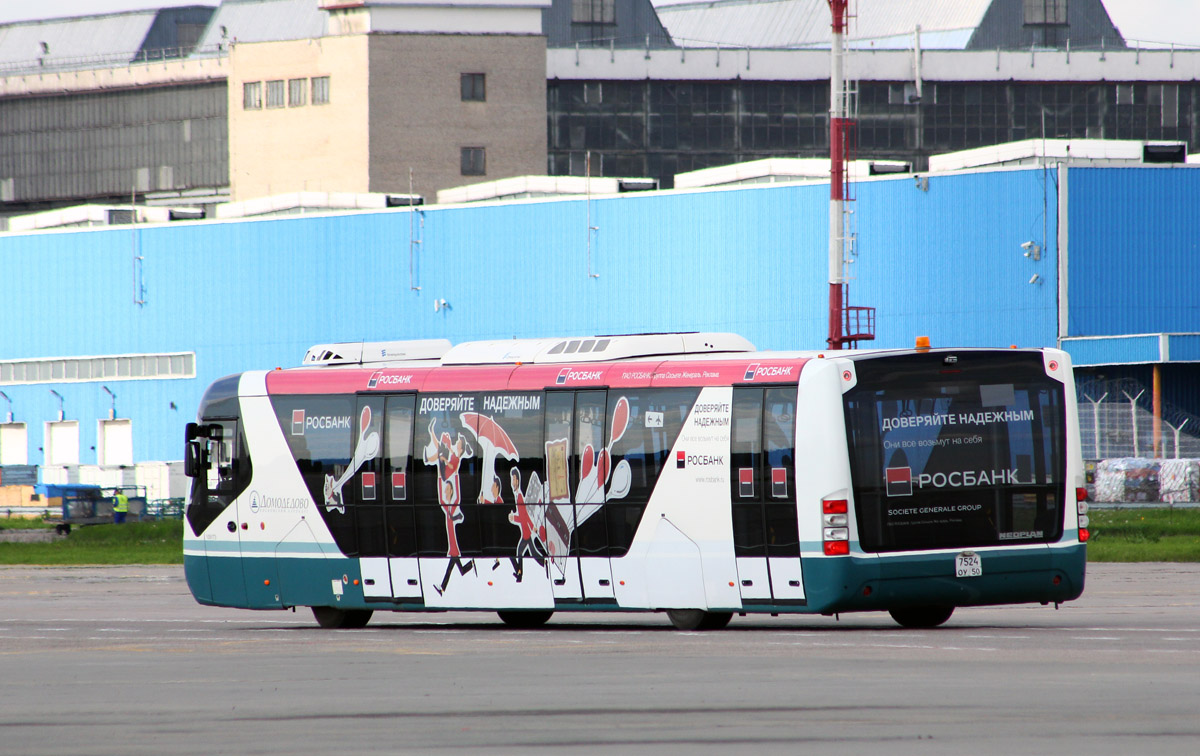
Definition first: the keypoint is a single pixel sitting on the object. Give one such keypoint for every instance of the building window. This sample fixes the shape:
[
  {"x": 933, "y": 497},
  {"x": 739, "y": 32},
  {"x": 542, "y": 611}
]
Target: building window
[
  {"x": 320, "y": 90},
  {"x": 474, "y": 161},
  {"x": 1044, "y": 12},
  {"x": 275, "y": 93},
  {"x": 252, "y": 95},
  {"x": 84, "y": 369},
  {"x": 1170, "y": 105},
  {"x": 594, "y": 11},
  {"x": 297, "y": 92},
  {"x": 473, "y": 87}
]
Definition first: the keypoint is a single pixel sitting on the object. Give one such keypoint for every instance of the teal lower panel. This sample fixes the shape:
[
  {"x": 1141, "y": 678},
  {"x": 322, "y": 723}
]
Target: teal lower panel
[
  {"x": 310, "y": 582},
  {"x": 227, "y": 581},
  {"x": 269, "y": 583},
  {"x": 851, "y": 584},
  {"x": 195, "y": 571},
  {"x": 832, "y": 584}
]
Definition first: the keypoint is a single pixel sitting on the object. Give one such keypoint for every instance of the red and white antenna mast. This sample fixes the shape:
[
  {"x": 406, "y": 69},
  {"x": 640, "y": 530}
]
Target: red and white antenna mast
[{"x": 847, "y": 325}]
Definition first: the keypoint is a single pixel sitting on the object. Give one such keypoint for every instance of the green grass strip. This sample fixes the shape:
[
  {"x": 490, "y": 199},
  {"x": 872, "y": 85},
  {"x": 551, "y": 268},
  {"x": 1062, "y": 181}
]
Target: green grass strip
[
  {"x": 1144, "y": 535},
  {"x": 158, "y": 542},
  {"x": 1118, "y": 535}
]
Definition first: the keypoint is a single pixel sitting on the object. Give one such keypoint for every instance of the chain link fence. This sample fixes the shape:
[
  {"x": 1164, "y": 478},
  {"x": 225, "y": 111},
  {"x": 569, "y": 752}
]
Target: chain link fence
[{"x": 1116, "y": 419}]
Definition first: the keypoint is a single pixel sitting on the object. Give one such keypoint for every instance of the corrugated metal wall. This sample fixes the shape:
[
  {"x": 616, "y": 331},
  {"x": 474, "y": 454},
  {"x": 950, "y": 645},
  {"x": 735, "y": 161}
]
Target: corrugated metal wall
[
  {"x": 107, "y": 144},
  {"x": 1133, "y": 250},
  {"x": 945, "y": 262}
]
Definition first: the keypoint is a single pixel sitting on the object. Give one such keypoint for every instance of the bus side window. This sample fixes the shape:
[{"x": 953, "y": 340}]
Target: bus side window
[
  {"x": 779, "y": 458},
  {"x": 746, "y": 493},
  {"x": 591, "y": 535},
  {"x": 362, "y": 490},
  {"x": 641, "y": 439},
  {"x": 517, "y": 419},
  {"x": 221, "y": 467},
  {"x": 320, "y": 432},
  {"x": 560, "y": 514},
  {"x": 446, "y": 471},
  {"x": 560, "y": 406},
  {"x": 397, "y": 477}
]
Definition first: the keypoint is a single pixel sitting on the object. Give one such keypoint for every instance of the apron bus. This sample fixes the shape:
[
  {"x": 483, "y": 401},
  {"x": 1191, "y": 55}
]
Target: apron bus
[{"x": 684, "y": 473}]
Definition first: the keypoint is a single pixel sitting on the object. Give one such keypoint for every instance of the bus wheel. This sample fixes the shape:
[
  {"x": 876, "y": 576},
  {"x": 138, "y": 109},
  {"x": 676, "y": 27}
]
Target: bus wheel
[
  {"x": 698, "y": 619},
  {"x": 921, "y": 616},
  {"x": 341, "y": 619},
  {"x": 523, "y": 619}
]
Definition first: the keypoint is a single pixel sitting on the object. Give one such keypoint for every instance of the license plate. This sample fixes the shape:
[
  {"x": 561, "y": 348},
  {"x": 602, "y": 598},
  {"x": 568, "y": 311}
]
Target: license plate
[{"x": 968, "y": 564}]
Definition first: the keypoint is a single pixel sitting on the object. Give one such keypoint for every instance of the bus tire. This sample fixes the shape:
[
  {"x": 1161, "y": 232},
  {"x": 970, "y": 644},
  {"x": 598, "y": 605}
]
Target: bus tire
[
  {"x": 524, "y": 619},
  {"x": 698, "y": 619},
  {"x": 332, "y": 618},
  {"x": 921, "y": 616}
]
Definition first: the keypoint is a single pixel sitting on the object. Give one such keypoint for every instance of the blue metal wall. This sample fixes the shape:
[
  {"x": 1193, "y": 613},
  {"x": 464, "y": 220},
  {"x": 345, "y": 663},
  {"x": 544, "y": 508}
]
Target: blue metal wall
[
  {"x": 945, "y": 263},
  {"x": 1134, "y": 250},
  {"x": 948, "y": 262}
]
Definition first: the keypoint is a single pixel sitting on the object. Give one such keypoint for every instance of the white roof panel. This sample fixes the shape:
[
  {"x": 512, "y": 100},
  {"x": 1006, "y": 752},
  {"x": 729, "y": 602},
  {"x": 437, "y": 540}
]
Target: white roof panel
[
  {"x": 264, "y": 21},
  {"x": 108, "y": 39},
  {"x": 806, "y": 23},
  {"x": 593, "y": 348},
  {"x": 1032, "y": 151}
]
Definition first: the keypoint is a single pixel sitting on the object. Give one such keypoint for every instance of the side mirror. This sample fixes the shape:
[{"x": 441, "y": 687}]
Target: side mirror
[{"x": 194, "y": 459}]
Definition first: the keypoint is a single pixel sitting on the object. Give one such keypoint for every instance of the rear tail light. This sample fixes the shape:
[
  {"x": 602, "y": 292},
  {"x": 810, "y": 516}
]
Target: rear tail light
[
  {"x": 835, "y": 533},
  {"x": 1081, "y": 508},
  {"x": 837, "y": 548}
]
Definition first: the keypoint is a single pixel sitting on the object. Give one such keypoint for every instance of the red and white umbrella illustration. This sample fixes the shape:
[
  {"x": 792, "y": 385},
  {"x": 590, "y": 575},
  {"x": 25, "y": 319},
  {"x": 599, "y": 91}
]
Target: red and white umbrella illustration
[
  {"x": 487, "y": 430},
  {"x": 495, "y": 442}
]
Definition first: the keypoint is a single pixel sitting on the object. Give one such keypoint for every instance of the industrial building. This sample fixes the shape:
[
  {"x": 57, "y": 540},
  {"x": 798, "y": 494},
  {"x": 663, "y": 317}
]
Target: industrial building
[
  {"x": 112, "y": 332},
  {"x": 200, "y": 105}
]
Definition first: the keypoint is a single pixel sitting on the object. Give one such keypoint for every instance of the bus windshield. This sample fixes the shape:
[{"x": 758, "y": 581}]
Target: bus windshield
[
  {"x": 219, "y": 463},
  {"x": 951, "y": 451}
]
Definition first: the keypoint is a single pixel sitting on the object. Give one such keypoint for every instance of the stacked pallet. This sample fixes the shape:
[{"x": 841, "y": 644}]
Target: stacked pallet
[
  {"x": 1128, "y": 479},
  {"x": 1179, "y": 480}
]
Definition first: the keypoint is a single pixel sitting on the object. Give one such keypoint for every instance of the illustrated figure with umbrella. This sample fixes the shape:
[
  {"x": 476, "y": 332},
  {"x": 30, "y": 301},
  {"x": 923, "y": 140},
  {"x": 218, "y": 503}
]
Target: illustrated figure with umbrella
[
  {"x": 494, "y": 442},
  {"x": 533, "y": 534},
  {"x": 448, "y": 456}
]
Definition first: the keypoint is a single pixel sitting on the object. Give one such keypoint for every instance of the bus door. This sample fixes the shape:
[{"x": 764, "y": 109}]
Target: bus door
[
  {"x": 762, "y": 491},
  {"x": 559, "y": 508},
  {"x": 362, "y": 493},
  {"x": 399, "y": 513},
  {"x": 223, "y": 540},
  {"x": 590, "y": 461}
]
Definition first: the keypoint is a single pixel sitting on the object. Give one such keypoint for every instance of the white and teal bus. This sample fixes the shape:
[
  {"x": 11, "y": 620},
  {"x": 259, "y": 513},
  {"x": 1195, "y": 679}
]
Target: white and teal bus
[{"x": 684, "y": 473}]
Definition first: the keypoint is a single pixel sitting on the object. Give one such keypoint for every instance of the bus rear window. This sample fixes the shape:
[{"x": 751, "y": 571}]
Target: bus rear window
[{"x": 956, "y": 454}]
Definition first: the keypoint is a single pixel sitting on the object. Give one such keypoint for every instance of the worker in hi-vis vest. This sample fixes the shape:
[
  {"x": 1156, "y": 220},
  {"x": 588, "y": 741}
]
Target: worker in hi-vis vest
[{"x": 120, "y": 507}]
